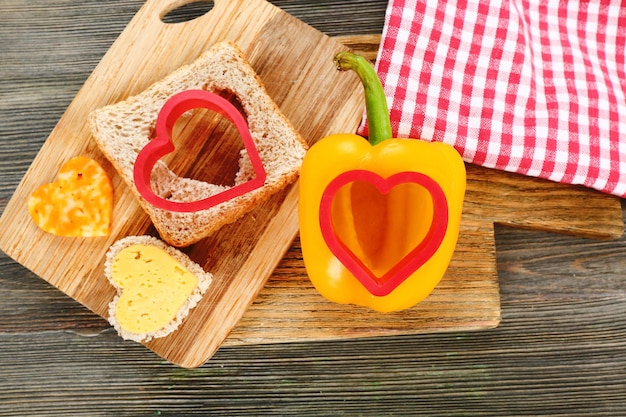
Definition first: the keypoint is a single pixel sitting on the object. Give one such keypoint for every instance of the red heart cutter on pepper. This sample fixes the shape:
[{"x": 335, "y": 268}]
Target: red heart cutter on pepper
[
  {"x": 381, "y": 286},
  {"x": 162, "y": 145}
]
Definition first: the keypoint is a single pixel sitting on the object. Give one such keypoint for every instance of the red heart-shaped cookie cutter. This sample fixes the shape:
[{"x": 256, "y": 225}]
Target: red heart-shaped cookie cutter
[
  {"x": 162, "y": 145},
  {"x": 420, "y": 254}
]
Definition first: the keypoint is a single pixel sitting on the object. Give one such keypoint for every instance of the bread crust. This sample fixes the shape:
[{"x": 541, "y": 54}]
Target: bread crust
[
  {"x": 204, "y": 281},
  {"x": 121, "y": 130}
]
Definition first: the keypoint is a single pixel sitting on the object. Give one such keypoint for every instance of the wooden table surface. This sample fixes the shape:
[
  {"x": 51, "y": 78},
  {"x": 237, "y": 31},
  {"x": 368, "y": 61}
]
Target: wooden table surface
[{"x": 560, "y": 349}]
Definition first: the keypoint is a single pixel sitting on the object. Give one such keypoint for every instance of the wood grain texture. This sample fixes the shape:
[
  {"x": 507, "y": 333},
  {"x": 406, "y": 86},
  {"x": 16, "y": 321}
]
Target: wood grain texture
[
  {"x": 291, "y": 309},
  {"x": 289, "y": 57},
  {"x": 560, "y": 349}
]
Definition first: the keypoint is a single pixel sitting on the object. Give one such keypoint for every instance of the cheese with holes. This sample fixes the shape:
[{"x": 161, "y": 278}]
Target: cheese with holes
[
  {"x": 154, "y": 286},
  {"x": 78, "y": 203}
]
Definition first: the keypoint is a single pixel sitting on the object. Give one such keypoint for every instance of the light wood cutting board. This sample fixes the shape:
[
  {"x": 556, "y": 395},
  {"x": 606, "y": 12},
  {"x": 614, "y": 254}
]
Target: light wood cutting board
[{"x": 295, "y": 63}]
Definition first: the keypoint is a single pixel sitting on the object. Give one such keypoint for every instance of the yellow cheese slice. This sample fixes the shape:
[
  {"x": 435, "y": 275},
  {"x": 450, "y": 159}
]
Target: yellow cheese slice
[
  {"x": 154, "y": 286},
  {"x": 78, "y": 203}
]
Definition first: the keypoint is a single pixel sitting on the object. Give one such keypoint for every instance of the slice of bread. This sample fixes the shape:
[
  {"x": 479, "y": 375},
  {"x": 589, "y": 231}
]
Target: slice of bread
[
  {"x": 164, "y": 293},
  {"x": 121, "y": 130}
]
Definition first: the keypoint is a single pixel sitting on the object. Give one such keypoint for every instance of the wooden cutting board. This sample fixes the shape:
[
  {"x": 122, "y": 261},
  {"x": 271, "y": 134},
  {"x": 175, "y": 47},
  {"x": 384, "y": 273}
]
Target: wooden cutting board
[{"x": 295, "y": 63}]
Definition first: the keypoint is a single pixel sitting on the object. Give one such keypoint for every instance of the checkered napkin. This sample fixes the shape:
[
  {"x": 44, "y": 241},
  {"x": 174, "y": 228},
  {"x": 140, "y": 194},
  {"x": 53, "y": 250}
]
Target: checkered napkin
[{"x": 536, "y": 87}]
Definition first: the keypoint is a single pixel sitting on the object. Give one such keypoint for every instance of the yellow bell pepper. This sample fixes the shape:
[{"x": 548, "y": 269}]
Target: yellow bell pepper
[{"x": 379, "y": 219}]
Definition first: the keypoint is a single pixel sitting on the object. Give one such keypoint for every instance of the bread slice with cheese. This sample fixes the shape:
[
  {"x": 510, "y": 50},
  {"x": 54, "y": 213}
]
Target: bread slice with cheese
[
  {"x": 157, "y": 285},
  {"x": 121, "y": 130}
]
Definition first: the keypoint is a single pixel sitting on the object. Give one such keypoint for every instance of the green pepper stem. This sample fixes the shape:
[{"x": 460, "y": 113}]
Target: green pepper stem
[{"x": 379, "y": 125}]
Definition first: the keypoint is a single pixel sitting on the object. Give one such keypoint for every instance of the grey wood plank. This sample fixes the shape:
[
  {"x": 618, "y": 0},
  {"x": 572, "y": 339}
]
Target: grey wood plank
[{"x": 560, "y": 350}]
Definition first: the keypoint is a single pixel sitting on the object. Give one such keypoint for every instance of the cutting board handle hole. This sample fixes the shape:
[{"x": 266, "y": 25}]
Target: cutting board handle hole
[{"x": 188, "y": 11}]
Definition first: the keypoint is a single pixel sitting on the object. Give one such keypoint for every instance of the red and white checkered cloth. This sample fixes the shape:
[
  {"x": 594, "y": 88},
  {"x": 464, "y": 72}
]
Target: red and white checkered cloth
[{"x": 536, "y": 87}]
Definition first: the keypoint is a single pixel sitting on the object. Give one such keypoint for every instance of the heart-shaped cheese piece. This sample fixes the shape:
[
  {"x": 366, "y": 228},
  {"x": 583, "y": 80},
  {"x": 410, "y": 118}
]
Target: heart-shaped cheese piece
[
  {"x": 153, "y": 285},
  {"x": 78, "y": 203},
  {"x": 157, "y": 286}
]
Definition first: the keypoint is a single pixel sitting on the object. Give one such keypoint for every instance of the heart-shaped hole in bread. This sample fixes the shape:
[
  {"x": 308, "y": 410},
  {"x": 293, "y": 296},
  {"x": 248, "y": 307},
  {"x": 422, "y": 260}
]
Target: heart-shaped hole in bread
[
  {"x": 213, "y": 140},
  {"x": 250, "y": 174}
]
